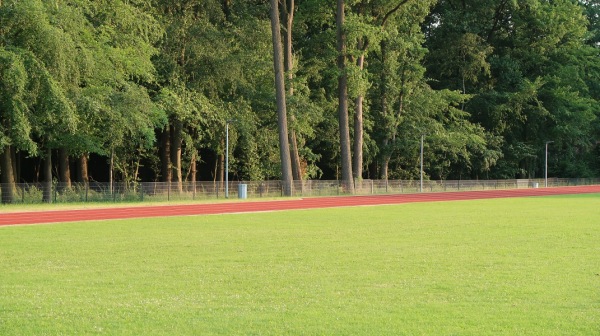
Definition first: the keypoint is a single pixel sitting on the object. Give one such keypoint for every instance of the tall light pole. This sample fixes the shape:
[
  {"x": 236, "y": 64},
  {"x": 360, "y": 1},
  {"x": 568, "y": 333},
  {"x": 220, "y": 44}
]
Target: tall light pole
[
  {"x": 227, "y": 159},
  {"x": 422, "y": 139},
  {"x": 546, "y": 165}
]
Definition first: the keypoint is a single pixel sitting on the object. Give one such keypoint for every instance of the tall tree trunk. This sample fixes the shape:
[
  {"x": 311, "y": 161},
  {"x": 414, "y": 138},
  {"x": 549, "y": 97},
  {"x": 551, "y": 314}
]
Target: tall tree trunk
[
  {"x": 136, "y": 172},
  {"x": 284, "y": 146},
  {"x": 295, "y": 155},
  {"x": 385, "y": 162},
  {"x": 346, "y": 159},
  {"x": 177, "y": 139},
  {"x": 8, "y": 178},
  {"x": 64, "y": 169},
  {"x": 226, "y": 6},
  {"x": 385, "y": 156},
  {"x": 165, "y": 155},
  {"x": 16, "y": 162},
  {"x": 221, "y": 174},
  {"x": 82, "y": 169},
  {"x": 358, "y": 138},
  {"x": 47, "y": 176},
  {"x": 193, "y": 168},
  {"x": 288, "y": 60},
  {"x": 358, "y": 126}
]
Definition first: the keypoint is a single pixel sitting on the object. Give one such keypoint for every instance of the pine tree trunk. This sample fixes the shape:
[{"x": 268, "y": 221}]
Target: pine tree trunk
[
  {"x": 284, "y": 146},
  {"x": 385, "y": 164},
  {"x": 82, "y": 169},
  {"x": 7, "y": 176},
  {"x": 165, "y": 155},
  {"x": 47, "y": 176},
  {"x": 358, "y": 128},
  {"x": 176, "y": 153},
  {"x": 357, "y": 163},
  {"x": 346, "y": 159},
  {"x": 221, "y": 174},
  {"x": 288, "y": 60},
  {"x": 295, "y": 156},
  {"x": 64, "y": 170},
  {"x": 385, "y": 155},
  {"x": 193, "y": 168},
  {"x": 226, "y": 6},
  {"x": 358, "y": 138},
  {"x": 16, "y": 162}
]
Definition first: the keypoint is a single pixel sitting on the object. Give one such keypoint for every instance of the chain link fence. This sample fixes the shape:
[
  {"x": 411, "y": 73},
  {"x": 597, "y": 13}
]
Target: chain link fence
[{"x": 30, "y": 193}]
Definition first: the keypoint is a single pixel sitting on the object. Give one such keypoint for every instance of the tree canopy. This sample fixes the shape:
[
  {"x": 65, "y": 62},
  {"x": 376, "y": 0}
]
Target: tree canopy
[{"x": 148, "y": 86}]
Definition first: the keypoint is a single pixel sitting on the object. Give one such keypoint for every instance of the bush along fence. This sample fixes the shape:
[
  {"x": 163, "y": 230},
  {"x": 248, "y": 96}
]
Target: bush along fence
[{"x": 30, "y": 193}]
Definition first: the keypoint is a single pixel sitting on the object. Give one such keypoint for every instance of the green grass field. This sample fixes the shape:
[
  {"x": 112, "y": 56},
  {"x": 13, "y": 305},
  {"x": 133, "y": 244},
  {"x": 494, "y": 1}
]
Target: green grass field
[{"x": 526, "y": 266}]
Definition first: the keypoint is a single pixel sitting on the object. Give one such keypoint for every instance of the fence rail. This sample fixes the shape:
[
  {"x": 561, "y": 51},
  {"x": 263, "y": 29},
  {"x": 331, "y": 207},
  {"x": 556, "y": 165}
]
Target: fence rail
[{"x": 30, "y": 193}]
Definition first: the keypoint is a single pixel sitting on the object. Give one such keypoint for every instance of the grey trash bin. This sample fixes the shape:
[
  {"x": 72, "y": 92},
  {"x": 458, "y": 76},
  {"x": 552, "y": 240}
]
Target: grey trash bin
[{"x": 242, "y": 191}]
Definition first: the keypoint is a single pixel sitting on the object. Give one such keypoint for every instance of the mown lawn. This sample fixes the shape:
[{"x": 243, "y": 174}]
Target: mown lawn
[{"x": 526, "y": 266}]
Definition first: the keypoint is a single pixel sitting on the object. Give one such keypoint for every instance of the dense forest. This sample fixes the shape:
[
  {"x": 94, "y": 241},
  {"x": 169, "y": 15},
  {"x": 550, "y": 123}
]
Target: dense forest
[{"x": 143, "y": 90}]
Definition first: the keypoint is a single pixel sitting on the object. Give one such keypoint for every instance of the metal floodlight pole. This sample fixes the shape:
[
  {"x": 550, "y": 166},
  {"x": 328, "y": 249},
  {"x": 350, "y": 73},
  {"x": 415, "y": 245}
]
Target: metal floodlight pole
[
  {"x": 422, "y": 138},
  {"x": 546, "y": 165},
  {"x": 227, "y": 159}
]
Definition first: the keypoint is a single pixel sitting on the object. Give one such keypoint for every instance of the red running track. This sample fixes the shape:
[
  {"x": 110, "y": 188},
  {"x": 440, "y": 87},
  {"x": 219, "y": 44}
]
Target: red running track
[{"x": 59, "y": 216}]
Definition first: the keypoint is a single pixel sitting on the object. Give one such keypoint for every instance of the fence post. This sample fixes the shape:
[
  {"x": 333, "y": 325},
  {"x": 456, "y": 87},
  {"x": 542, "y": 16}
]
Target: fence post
[
  {"x": 142, "y": 191},
  {"x": 86, "y": 192}
]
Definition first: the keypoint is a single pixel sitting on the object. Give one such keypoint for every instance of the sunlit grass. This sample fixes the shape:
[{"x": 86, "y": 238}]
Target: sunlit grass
[{"x": 525, "y": 266}]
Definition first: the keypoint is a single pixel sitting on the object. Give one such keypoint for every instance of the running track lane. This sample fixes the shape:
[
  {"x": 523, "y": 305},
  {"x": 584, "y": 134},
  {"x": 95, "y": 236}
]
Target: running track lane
[{"x": 59, "y": 216}]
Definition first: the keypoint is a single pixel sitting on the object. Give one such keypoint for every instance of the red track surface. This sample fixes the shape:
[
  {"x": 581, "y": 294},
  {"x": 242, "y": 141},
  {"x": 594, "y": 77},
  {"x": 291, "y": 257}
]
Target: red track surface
[{"x": 40, "y": 217}]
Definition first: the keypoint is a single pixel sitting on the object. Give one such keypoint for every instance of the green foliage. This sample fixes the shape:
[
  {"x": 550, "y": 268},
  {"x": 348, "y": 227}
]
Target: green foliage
[
  {"x": 15, "y": 128},
  {"x": 537, "y": 85},
  {"x": 488, "y": 81}
]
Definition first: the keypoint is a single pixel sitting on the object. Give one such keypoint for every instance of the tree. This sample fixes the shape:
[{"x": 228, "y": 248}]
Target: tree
[
  {"x": 366, "y": 29},
  {"x": 396, "y": 60},
  {"x": 284, "y": 148},
  {"x": 344, "y": 130},
  {"x": 523, "y": 64},
  {"x": 15, "y": 127},
  {"x": 39, "y": 98},
  {"x": 287, "y": 15}
]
